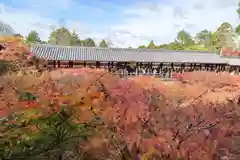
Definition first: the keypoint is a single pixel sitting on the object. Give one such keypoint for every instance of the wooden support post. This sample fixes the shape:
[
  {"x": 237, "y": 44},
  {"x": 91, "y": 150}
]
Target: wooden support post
[
  {"x": 98, "y": 64},
  {"x": 54, "y": 64}
]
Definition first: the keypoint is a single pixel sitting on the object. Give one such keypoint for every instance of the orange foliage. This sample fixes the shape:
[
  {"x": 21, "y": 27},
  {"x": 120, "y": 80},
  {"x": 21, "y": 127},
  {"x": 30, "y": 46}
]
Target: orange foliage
[
  {"x": 139, "y": 113},
  {"x": 230, "y": 52},
  {"x": 17, "y": 52},
  {"x": 15, "y": 49}
]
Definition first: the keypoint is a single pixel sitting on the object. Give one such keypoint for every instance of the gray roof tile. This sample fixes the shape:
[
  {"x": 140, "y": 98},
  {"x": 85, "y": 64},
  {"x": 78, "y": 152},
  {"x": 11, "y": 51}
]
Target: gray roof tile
[
  {"x": 55, "y": 52},
  {"x": 233, "y": 61}
]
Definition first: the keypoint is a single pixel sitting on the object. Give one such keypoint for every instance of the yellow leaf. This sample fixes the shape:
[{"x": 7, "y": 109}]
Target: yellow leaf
[{"x": 147, "y": 155}]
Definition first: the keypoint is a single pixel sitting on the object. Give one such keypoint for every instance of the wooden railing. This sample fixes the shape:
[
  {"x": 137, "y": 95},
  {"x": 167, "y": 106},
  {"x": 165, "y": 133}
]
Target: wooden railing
[{"x": 161, "y": 76}]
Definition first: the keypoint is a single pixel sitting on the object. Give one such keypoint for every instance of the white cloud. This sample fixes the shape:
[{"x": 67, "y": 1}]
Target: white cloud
[
  {"x": 161, "y": 22},
  {"x": 140, "y": 22},
  {"x": 24, "y": 21},
  {"x": 32, "y": 18}
]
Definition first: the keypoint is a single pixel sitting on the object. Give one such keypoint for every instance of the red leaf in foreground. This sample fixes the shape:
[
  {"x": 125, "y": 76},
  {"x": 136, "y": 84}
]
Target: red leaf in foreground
[{"x": 4, "y": 112}]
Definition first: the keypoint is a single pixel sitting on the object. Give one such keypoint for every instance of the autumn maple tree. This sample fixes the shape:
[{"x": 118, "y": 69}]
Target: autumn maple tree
[{"x": 91, "y": 114}]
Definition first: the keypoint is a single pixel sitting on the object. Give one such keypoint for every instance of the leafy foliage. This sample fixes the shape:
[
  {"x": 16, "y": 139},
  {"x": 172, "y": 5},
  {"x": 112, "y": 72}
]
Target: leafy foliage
[
  {"x": 33, "y": 37},
  {"x": 237, "y": 29},
  {"x": 230, "y": 52},
  {"x": 88, "y": 42},
  {"x": 238, "y": 10},
  {"x": 142, "y": 46},
  {"x": 151, "y": 45},
  {"x": 4, "y": 67},
  {"x": 103, "y": 44},
  {"x": 184, "y": 38},
  {"x": 17, "y": 56},
  {"x": 60, "y": 36},
  {"x": 75, "y": 41},
  {"x": 91, "y": 114},
  {"x": 98, "y": 116}
]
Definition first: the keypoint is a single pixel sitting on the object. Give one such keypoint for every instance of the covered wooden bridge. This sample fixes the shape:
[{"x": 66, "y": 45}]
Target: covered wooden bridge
[{"x": 135, "y": 61}]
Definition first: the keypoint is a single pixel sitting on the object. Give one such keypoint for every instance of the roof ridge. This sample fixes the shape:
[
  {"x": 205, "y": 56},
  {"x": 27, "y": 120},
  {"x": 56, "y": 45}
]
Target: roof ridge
[
  {"x": 124, "y": 49},
  {"x": 62, "y": 46}
]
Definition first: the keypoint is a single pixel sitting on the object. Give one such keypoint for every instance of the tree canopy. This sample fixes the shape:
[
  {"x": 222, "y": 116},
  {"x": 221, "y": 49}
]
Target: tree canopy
[
  {"x": 142, "y": 46},
  {"x": 61, "y": 36},
  {"x": 75, "y": 41},
  {"x": 103, "y": 44},
  {"x": 89, "y": 42},
  {"x": 184, "y": 38},
  {"x": 205, "y": 40},
  {"x": 33, "y": 37},
  {"x": 237, "y": 29},
  {"x": 151, "y": 45}
]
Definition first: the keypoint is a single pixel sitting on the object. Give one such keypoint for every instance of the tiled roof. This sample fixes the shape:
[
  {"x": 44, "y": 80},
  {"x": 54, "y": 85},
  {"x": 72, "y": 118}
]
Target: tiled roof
[
  {"x": 233, "y": 61},
  {"x": 51, "y": 52},
  {"x": 55, "y": 52}
]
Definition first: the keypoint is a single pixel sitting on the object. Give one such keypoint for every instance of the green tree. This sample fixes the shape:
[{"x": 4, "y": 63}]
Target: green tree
[
  {"x": 224, "y": 36},
  {"x": 60, "y": 36},
  {"x": 184, "y": 38},
  {"x": 196, "y": 48},
  {"x": 204, "y": 38},
  {"x": 238, "y": 10},
  {"x": 176, "y": 46},
  {"x": 236, "y": 36},
  {"x": 237, "y": 29},
  {"x": 142, "y": 46},
  {"x": 166, "y": 46},
  {"x": 151, "y": 45},
  {"x": 33, "y": 37},
  {"x": 103, "y": 44},
  {"x": 75, "y": 41},
  {"x": 88, "y": 42}
]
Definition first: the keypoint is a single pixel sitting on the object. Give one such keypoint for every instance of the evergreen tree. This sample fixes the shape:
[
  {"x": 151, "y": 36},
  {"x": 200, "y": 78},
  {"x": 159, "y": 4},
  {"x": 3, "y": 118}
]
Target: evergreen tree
[
  {"x": 103, "y": 44},
  {"x": 33, "y": 37}
]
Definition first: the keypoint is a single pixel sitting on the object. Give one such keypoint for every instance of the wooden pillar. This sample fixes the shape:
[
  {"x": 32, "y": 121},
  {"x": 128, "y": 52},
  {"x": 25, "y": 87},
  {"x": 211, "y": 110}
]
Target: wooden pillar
[
  {"x": 206, "y": 67},
  {"x": 161, "y": 68},
  {"x": 58, "y": 63},
  {"x": 98, "y": 64},
  {"x": 172, "y": 66},
  {"x": 70, "y": 64},
  {"x": 211, "y": 67},
  {"x": 194, "y": 67},
  {"x": 54, "y": 64},
  {"x": 137, "y": 65}
]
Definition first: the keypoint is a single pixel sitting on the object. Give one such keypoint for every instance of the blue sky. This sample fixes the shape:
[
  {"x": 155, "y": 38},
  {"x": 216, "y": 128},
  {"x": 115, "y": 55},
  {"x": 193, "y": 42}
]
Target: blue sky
[
  {"x": 92, "y": 12},
  {"x": 122, "y": 22}
]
